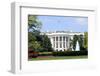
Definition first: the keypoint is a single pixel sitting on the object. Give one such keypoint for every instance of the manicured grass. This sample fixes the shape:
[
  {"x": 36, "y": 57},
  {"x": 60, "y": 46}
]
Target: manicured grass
[{"x": 59, "y": 57}]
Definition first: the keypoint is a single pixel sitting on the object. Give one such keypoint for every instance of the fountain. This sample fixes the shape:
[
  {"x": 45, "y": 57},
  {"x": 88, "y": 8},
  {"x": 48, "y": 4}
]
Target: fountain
[{"x": 77, "y": 46}]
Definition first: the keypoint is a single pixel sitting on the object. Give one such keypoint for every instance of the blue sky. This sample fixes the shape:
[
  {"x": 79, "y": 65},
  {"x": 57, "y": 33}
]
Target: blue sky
[{"x": 62, "y": 23}]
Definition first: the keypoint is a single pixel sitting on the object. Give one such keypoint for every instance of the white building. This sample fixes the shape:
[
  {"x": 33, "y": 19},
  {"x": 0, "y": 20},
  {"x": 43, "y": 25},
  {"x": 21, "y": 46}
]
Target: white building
[{"x": 60, "y": 40}]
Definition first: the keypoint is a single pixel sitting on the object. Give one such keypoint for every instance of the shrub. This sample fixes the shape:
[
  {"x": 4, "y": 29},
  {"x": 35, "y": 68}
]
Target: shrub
[
  {"x": 32, "y": 54},
  {"x": 45, "y": 50},
  {"x": 69, "y": 49},
  {"x": 83, "y": 49},
  {"x": 70, "y": 53},
  {"x": 45, "y": 53}
]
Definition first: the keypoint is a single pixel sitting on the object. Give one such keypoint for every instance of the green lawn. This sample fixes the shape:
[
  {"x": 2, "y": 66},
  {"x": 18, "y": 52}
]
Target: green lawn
[{"x": 59, "y": 57}]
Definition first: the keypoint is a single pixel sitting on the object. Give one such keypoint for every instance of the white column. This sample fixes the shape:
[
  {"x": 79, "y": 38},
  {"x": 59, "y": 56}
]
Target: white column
[
  {"x": 68, "y": 41},
  {"x": 55, "y": 43},
  {"x": 58, "y": 43},
  {"x": 62, "y": 43},
  {"x": 52, "y": 42}
]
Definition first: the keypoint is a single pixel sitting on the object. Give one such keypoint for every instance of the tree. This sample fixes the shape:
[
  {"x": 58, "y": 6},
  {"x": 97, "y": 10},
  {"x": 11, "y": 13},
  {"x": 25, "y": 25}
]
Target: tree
[
  {"x": 35, "y": 46},
  {"x": 75, "y": 38},
  {"x": 35, "y": 40},
  {"x": 31, "y": 37},
  {"x": 71, "y": 44},
  {"x": 80, "y": 39},
  {"x": 33, "y": 23},
  {"x": 33, "y": 31},
  {"x": 46, "y": 43},
  {"x": 86, "y": 40}
]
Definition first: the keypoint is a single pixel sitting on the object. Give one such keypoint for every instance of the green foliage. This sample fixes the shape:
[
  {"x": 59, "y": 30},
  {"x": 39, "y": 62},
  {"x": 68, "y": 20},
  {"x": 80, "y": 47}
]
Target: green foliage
[
  {"x": 70, "y": 53},
  {"x": 75, "y": 38},
  {"x": 83, "y": 41},
  {"x": 71, "y": 42},
  {"x": 80, "y": 39},
  {"x": 35, "y": 40},
  {"x": 45, "y": 53},
  {"x": 32, "y": 42},
  {"x": 33, "y": 23},
  {"x": 46, "y": 43},
  {"x": 34, "y": 45},
  {"x": 33, "y": 31},
  {"x": 31, "y": 37},
  {"x": 86, "y": 40},
  {"x": 69, "y": 49}
]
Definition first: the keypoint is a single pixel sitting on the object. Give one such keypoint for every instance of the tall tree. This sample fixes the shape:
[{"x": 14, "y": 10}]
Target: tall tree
[
  {"x": 31, "y": 37},
  {"x": 35, "y": 45},
  {"x": 34, "y": 26},
  {"x": 71, "y": 44},
  {"x": 75, "y": 38},
  {"x": 86, "y": 40},
  {"x": 46, "y": 43},
  {"x": 35, "y": 40},
  {"x": 33, "y": 23},
  {"x": 80, "y": 39}
]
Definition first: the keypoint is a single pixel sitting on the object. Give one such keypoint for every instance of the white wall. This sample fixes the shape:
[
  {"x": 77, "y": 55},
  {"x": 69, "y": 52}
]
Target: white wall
[{"x": 5, "y": 23}]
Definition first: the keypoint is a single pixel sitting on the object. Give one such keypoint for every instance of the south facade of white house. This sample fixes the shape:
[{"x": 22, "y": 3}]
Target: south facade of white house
[{"x": 60, "y": 40}]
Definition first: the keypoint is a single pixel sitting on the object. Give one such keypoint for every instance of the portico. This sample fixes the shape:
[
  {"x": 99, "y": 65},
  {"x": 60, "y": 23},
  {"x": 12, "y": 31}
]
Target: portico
[{"x": 60, "y": 42}]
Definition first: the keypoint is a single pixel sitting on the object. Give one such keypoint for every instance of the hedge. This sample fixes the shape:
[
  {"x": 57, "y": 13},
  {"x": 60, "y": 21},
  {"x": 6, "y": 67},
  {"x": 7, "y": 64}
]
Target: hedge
[
  {"x": 70, "y": 53},
  {"x": 45, "y": 54}
]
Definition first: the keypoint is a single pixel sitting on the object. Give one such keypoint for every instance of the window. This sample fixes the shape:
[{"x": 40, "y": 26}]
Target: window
[
  {"x": 56, "y": 38},
  {"x": 53, "y": 38},
  {"x": 63, "y": 38},
  {"x": 66, "y": 39},
  {"x": 64, "y": 44},
  {"x": 60, "y": 38},
  {"x": 56, "y": 44}
]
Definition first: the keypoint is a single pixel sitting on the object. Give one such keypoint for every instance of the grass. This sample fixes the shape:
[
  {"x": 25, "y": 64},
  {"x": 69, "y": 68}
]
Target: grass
[{"x": 59, "y": 57}]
